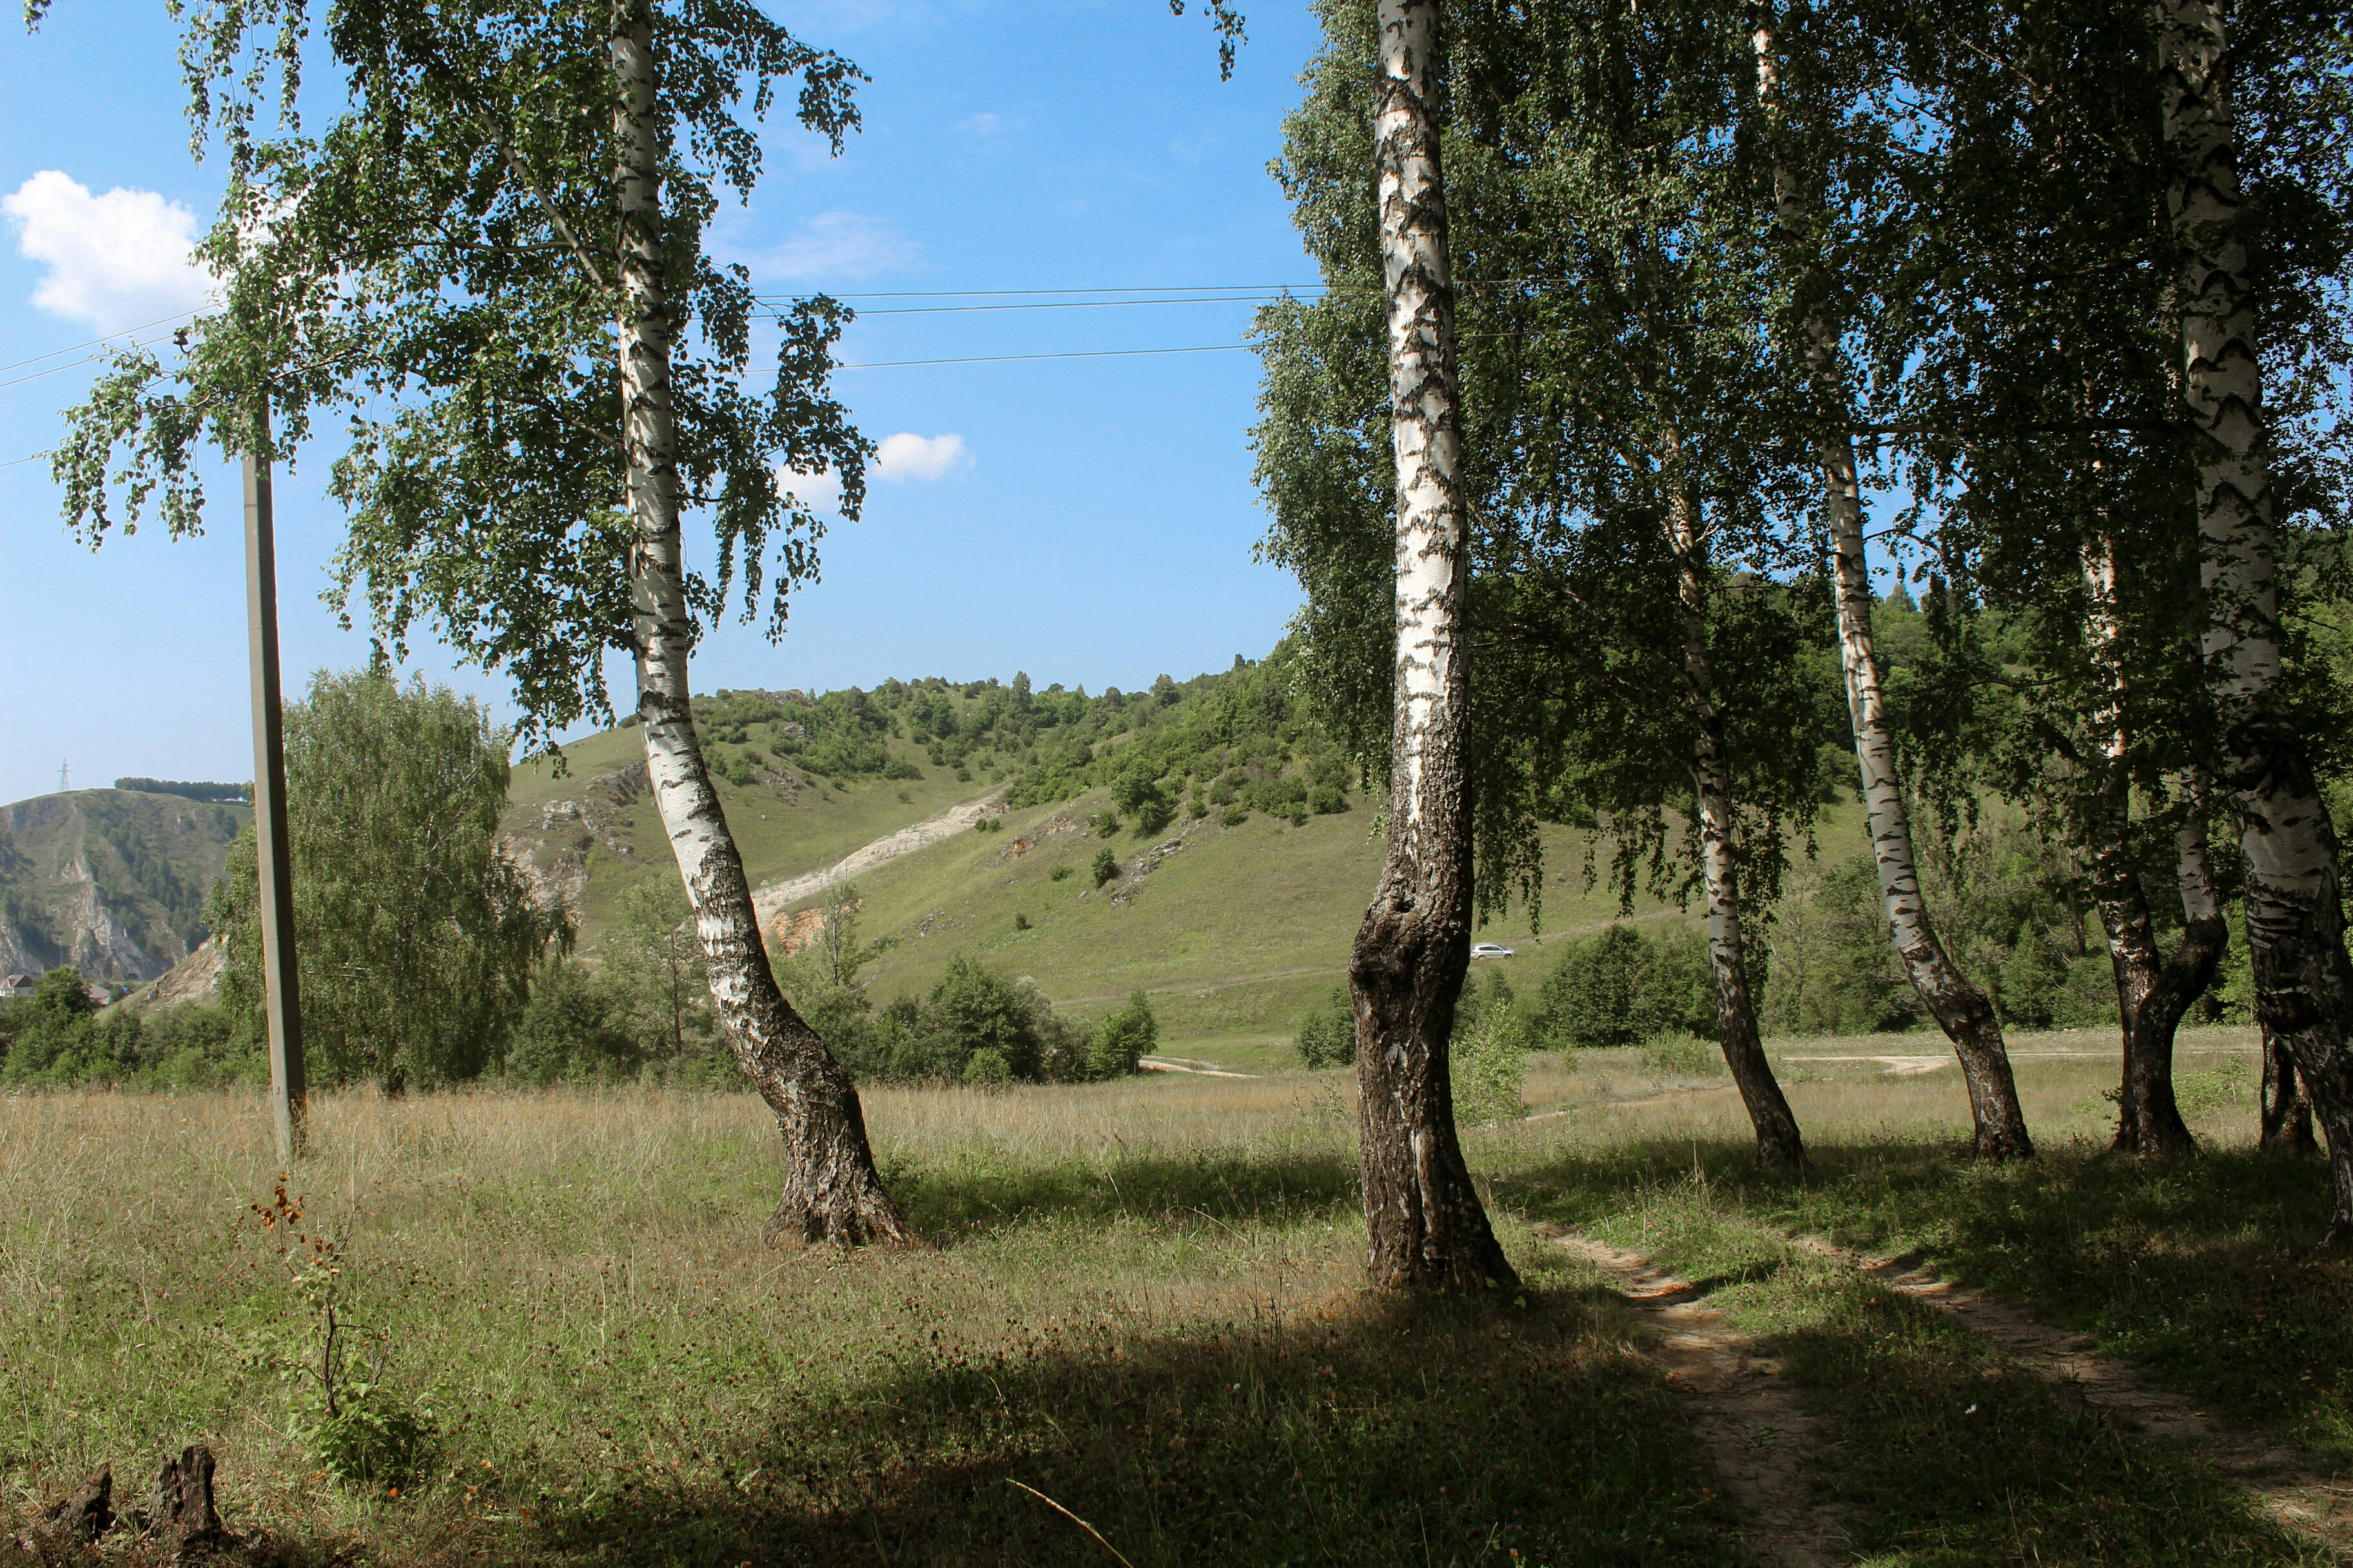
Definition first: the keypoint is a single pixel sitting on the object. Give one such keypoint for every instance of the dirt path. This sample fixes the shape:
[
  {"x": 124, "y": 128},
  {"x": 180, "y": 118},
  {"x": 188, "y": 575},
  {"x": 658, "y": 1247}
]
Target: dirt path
[
  {"x": 2304, "y": 1503},
  {"x": 770, "y": 898},
  {"x": 1754, "y": 1427}
]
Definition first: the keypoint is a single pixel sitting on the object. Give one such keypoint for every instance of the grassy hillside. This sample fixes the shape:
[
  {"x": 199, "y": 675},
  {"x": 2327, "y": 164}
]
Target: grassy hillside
[
  {"x": 1233, "y": 930},
  {"x": 594, "y": 832},
  {"x": 112, "y": 881}
]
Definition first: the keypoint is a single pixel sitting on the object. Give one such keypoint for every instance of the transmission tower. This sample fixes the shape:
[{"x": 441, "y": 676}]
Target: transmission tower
[{"x": 65, "y": 776}]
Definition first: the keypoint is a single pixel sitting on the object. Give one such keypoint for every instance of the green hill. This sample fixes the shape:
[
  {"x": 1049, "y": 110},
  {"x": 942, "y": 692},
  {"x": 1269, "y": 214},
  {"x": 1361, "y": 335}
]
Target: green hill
[
  {"x": 1233, "y": 930},
  {"x": 112, "y": 881}
]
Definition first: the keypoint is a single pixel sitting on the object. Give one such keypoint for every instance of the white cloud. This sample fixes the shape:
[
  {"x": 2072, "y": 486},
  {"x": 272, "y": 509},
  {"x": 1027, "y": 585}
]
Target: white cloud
[
  {"x": 837, "y": 245},
  {"x": 907, "y": 456},
  {"x": 114, "y": 260},
  {"x": 901, "y": 457},
  {"x": 981, "y": 124},
  {"x": 820, "y": 491}
]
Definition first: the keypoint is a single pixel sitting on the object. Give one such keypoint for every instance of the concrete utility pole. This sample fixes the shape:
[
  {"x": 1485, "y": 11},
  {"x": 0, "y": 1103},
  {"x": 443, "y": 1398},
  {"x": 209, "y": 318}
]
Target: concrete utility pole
[{"x": 288, "y": 1095}]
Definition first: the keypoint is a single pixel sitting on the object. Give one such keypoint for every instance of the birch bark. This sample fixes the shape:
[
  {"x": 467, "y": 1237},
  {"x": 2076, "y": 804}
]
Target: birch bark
[
  {"x": 1777, "y": 1138},
  {"x": 2152, "y": 992},
  {"x": 1423, "y": 1220},
  {"x": 2286, "y": 1114},
  {"x": 2295, "y": 920},
  {"x": 1963, "y": 1011},
  {"x": 831, "y": 1189}
]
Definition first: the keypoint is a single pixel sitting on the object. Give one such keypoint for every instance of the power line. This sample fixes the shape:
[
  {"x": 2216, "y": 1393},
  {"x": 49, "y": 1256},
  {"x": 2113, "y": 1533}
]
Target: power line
[
  {"x": 75, "y": 348},
  {"x": 73, "y": 364},
  {"x": 1040, "y": 293},
  {"x": 1086, "y": 353}
]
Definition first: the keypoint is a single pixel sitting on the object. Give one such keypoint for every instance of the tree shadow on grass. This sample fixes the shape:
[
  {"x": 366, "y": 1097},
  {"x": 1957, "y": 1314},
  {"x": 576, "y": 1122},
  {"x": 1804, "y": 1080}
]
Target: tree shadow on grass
[
  {"x": 2201, "y": 1270},
  {"x": 1947, "y": 1455},
  {"x": 1375, "y": 1431},
  {"x": 951, "y": 1203}
]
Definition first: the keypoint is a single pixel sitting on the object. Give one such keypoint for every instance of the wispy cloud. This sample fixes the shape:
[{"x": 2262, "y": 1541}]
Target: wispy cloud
[
  {"x": 114, "y": 260},
  {"x": 835, "y": 247},
  {"x": 984, "y": 124}
]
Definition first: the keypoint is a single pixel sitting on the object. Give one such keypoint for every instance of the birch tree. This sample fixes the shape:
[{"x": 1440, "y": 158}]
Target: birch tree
[
  {"x": 1629, "y": 674},
  {"x": 1961, "y": 1008},
  {"x": 1424, "y": 1223},
  {"x": 2294, "y": 895},
  {"x": 493, "y": 262}
]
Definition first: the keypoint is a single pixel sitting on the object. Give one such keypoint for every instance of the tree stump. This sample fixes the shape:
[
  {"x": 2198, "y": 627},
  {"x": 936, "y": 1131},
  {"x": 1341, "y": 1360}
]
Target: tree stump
[
  {"x": 76, "y": 1520},
  {"x": 181, "y": 1514}
]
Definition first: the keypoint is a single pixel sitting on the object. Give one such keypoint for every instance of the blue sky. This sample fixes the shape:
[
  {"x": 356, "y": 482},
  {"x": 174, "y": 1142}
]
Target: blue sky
[{"x": 1087, "y": 520}]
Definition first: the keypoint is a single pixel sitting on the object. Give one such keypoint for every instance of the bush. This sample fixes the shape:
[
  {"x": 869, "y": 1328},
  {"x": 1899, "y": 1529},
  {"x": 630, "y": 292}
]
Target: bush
[
  {"x": 1327, "y": 1035},
  {"x": 975, "y": 1013},
  {"x": 1106, "y": 867},
  {"x": 1124, "y": 1038},
  {"x": 1061, "y": 874},
  {"x": 1681, "y": 1053},
  {"x": 1154, "y": 815},
  {"x": 1327, "y": 800},
  {"x": 58, "y": 1037},
  {"x": 573, "y": 1029},
  {"x": 1488, "y": 1054},
  {"x": 1020, "y": 920},
  {"x": 1620, "y": 988},
  {"x": 1234, "y": 815}
]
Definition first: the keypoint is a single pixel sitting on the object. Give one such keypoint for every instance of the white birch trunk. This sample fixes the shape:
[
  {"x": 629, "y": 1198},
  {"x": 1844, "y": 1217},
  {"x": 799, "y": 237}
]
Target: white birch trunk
[
  {"x": 2152, "y": 992},
  {"x": 1777, "y": 1138},
  {"x": 831, "y": 1190},
  {"x": 2295, "y": 922},
  {"x": 1423, "y": 1220},
  {"x": 1963, "y": 1011}
]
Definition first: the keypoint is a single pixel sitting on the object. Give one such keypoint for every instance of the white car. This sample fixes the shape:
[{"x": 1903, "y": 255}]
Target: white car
[{"x": 1490, "y": 950}]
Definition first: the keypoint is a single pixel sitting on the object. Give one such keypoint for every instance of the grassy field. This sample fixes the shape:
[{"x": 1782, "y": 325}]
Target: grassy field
[{"x": 1143, "y": 1299}]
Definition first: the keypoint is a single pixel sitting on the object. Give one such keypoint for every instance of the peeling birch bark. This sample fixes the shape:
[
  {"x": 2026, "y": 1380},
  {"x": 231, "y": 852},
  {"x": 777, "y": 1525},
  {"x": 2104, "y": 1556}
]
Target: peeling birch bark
[
  {"x": 1424, "y": 1224},
  {"x": 831, "y": 1190},
  {"x": 2295, "y": 920},
  {"x": 1778, "y": 1139},
  {"x": 1963, "y": 1011}
]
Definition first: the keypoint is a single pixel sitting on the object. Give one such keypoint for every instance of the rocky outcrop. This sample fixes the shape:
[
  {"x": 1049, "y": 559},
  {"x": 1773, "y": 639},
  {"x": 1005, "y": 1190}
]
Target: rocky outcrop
[{"x": 111, "y": 881}]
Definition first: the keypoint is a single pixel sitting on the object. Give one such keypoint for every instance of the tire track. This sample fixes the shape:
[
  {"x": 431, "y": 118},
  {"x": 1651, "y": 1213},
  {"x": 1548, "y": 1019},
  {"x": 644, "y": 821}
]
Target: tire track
[
  {"x": 2308, "y": 1505},
  {"x": 1755, "y": 1432}
]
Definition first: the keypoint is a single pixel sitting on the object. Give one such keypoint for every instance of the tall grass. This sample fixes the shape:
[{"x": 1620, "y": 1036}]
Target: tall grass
[{"x": 1143, "y": 1299}]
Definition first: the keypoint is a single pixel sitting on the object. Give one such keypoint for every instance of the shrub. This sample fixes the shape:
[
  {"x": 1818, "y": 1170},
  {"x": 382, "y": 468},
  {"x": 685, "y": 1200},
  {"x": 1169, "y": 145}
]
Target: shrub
[
  {"x": 1620, "y": 988},
  {"x": 900, "y": 768},
  {"x": 1154, "y": 815},
  {"x": 988, "y": 1068},
  {"x": 1234, "y": 815},
  {"x": 573, "y": 1029},
  {"x": 1106, "y": 867},
  {"x": 1327, "y": 1035},
  {"x": 1489, "y": 1055},
  {"x": 1061, "y": 873},
  {"x": 1680, "y": 1053},
  {"x": 1020, "y": 920},
  {"x": 1326, "y": 800},
  {"x": 1123, "y": 1038},
  {"x": 973, "y": 1012}
]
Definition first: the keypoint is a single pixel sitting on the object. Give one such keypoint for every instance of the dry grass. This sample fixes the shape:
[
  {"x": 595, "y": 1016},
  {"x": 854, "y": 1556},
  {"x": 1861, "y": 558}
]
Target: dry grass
[{"x": 1141, "y": 1298}]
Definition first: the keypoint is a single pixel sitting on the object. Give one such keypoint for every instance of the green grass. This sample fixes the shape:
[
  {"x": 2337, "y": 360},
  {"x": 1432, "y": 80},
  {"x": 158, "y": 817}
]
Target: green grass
[
  {"x": 1143, "y": 1299},
  {"x": 1233, "y": 936},
  {"x": 781, "y": 832}
]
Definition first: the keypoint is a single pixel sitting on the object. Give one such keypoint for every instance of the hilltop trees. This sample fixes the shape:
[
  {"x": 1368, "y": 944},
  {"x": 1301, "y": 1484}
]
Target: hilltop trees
[{"x": 494, "y": 258}]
